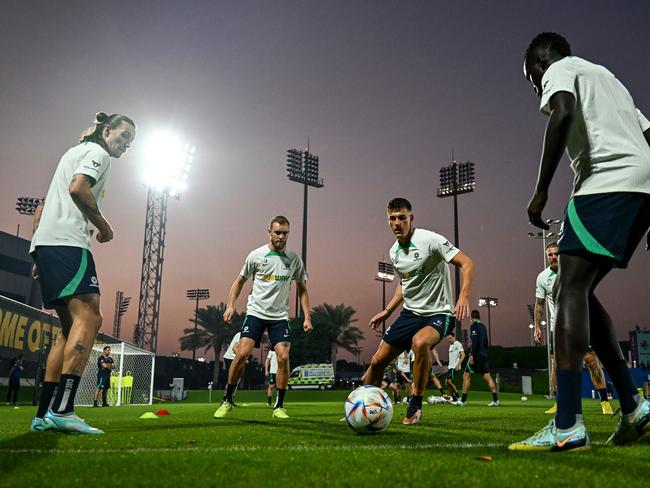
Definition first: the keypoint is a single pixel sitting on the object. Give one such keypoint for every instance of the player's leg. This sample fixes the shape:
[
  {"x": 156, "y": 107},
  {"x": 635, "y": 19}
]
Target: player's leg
[
  {"x": 245, "y": 348},
  {"x": 423, "y": 340},
  {"x": 451, "y": 386},
  {"x": 97, "y": 391},
  {"x": 598, "y": 380},
  {"x": 269, "y": 390},
  {"x": 493, "y": 389},
  {"x": 467, "y": 383},
  {"x": 282, "y": 377},
  {"x": 553, "y": 409},
  {"x": 382, "y": 358}
]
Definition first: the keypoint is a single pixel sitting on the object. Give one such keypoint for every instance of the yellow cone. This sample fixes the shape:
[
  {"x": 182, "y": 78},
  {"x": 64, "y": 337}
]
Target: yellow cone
[{"x": 148, "y": 415}]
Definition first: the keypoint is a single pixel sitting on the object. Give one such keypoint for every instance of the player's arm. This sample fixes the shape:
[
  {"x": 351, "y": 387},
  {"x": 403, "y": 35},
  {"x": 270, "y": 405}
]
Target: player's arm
[
  {"x": 436, "y": 357},
  {"x": 235, "y": 290},
  {"x": 538, "y": 314},
  {"x": 267, "y": 365},
  {"x": 303, "y": 295},
  {"x": 562, "y": 105},
  {"x": 460, "y": 359},
  {"x": 394, "y": 303},
  {"x": 473, "y": 352},
  {"x": 85, "y": 201},
  {"x": 466, "y": 265}
]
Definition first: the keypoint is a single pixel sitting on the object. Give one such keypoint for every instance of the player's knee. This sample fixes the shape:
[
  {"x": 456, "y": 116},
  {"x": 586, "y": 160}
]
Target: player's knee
[{"x": 419, "y": 347}]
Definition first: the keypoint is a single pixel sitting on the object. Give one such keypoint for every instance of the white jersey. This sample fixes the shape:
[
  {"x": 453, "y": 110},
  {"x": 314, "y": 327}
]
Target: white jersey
[
  {"x": 606, "y": 145},
  {"x": 230, "y": 352},
  {"x": 62, "y": 223},
  {"x": 404, "y": 362},
  {"x": 273, "y": 365},
  {"x": 424, "y": 273},
  {"x": 544, "y": 291},
  {"x": 455, "y": 350},
  {"x": 272, "y": 273}
]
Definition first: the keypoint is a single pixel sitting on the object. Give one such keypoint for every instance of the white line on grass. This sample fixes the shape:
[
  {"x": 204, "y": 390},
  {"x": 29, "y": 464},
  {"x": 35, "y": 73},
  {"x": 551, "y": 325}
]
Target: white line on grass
[{"x": 139, "y": 450}]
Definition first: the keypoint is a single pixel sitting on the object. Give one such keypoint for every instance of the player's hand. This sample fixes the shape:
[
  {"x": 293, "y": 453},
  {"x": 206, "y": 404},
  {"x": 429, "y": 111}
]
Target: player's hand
[
  {"x": 34, "y": 272},
  {"x": 105, "y": 234},
  {"x": 307, "y": 327},
  {"x": 462, "y": 308},
  {"x": 378, "y": 319},
  {"x": 537, "y": 335},
  {"x": 458, "y": 368},
  {"x": 227, "y": 315},
  {"x": 471, "y": 360},
  {"x": 535, "y": 208}
]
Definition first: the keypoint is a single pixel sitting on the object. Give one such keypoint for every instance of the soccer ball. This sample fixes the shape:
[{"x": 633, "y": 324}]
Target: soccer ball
[
  {"x": 524, "y": 398},
  {"x": 368, "y": 409}
]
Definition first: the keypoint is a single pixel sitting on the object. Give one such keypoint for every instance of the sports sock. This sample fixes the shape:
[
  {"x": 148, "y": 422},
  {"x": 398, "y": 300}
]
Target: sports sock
[
  {"x": 104, "y": 395},
  {"x": 416, "y": 401},
  {"x": 463, "y": 398},
  {"x": 495, "y": 397},
  {"x": 602, "y": 393},
  {"x": 279, "y": 401},
  {"x": 47, "y": 391},
  {"x": 454, "y": 397},
  {"x": 627, "y": 392},
  {"x": 64, "y": 400},
  {"x": 569, "y": 401},
  {"x": 230, "y": 390},
  {"x": 269, "y": 399},
  {"x": 442, "y": 392}
]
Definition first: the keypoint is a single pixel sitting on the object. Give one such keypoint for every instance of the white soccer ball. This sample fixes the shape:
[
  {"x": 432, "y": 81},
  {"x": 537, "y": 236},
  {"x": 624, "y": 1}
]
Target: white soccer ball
[
  {"x": 524, "y": 398},
  {"x": 368, "y": 409}
]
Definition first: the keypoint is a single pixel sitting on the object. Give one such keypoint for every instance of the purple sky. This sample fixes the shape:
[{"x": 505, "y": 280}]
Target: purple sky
[{"x": 384, "y": 89}]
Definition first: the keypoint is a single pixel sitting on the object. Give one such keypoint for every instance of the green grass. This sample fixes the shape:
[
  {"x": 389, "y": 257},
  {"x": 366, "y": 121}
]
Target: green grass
[{"x": 249, "y": 448}]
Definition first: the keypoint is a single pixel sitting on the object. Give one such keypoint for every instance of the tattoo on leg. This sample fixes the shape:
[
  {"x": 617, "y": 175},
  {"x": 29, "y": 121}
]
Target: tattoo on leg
[{"x": 80, "y": 348}]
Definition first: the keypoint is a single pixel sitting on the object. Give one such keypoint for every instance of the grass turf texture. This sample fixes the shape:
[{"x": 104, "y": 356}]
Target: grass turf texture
[{"x": 249, "y": 448}]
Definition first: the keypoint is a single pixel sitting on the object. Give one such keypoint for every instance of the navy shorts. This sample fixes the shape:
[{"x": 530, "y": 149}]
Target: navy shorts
[
  {"x": 439, "y": 371},
  {"x": 607, "y": 225},
  {"x": 64, "y": 272},
  {"x": 271, "y": 378},
  {"x": 254, "y": 327},
  {"x": 103, "y": 382},
  {"x": 480, "y": 366},
  {"x": 401, "y": 333},
  {"x": 400, "y": 378}
]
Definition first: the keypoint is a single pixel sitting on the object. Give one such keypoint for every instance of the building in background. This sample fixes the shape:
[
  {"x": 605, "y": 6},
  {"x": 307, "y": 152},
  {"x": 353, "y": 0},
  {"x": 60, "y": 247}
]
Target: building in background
[
  {"x": 640, "y": 347},
  {"x": 16, "y": 271}
]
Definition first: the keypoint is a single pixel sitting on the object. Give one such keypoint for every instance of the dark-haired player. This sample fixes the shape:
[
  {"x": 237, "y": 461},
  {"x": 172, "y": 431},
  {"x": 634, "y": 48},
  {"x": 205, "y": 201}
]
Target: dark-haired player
[
  {"x": 105, "y": 365},
  {"x": 420, "y": 258},
  {"x": 593, "y": 117},
  {"x": 63, "y": 262}
]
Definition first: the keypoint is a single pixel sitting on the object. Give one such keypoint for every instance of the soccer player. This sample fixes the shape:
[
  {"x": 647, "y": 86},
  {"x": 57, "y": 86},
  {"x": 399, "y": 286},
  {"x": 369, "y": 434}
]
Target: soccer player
[
  {"x": 228, "y": 357},
  {"x": 105, "y": 365},
  {"x": 270, "y": 371},
  {"x": 478, "y": 361},
  {"x": 593, "y": 116},
  {"x": 272, "y": 268},
  {"x": 421, "y": 260},
  {"x": 456, "y": 358},
  {"x": 61, "y": 251},
  {"x": 438, "y": 370},
  {"x": 544, "y": 293},
  {"x": 404, "y": 375}
]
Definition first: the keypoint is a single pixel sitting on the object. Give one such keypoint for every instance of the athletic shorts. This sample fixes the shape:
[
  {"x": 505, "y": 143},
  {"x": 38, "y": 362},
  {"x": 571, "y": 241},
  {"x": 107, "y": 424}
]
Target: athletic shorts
[
  {"x": 254, "y": 327},
  {"x": 401, "y": 380},
  {"x": 451, "y": 374},
  {"x": 227, "y": 363},
  {"x": 439, "y": 371},
  {"x": 103, "y": 382},
  {"x": 64, "y": 272},
  {"x": 607, "y": 225},
  {"x": 271, "y": 378},
  {"x": 401, "y": 333},
  {"x": 480, "y": 366}
]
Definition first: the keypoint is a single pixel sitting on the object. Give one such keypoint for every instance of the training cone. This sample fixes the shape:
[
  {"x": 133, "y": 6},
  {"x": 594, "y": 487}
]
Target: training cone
[
  {"x": 148, "y": 415},
  {"x": 162, "y": 412}
]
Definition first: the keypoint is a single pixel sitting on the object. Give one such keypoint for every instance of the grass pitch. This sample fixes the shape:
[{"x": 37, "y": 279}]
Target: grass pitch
[{"x": 452, "y": 445}]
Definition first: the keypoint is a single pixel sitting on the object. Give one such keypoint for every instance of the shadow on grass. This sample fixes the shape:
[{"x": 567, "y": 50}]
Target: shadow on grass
[{"x": 15, "y": 455}]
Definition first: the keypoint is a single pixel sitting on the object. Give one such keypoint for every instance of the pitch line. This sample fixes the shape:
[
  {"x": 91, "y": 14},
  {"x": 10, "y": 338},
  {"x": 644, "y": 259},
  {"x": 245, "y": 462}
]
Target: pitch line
[{"x": 144, "y": 450}]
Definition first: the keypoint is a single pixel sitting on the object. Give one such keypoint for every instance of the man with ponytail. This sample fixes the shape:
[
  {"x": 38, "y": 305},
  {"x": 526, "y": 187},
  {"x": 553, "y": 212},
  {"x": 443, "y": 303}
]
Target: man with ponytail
[{"x": 64, "y": 265}]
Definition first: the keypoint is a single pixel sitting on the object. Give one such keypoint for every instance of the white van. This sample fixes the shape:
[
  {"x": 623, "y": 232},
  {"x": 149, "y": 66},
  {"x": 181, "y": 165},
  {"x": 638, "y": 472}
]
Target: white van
[{"x": 316, "y": 376}]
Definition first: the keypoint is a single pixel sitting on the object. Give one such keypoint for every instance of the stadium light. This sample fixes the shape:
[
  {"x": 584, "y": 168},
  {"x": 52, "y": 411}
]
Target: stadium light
[
  {"x": 167, "y": 163},
  {"x": 197, "y": 294},
  {"x": 27, "y": 205},
  {"x": 532, "y": 339},
  {"x": 488, "y": 302},
  {"x": 385, "y": 274}
]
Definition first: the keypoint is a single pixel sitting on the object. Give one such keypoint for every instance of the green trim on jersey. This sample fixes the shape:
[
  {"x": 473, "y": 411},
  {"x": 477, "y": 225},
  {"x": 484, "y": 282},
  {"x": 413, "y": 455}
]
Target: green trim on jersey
[
  {"x": 276, "y": 253},
  {"x": 587, "y": 240},
  {"x": 74, "y": 282}
]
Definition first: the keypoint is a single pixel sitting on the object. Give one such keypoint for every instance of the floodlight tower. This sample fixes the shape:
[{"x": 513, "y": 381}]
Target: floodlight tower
[
  {"x": 27, "y": 205},
  {"x": 196, "y": 295},
  {"x": 303, "y": 167},
  {"x": 168, "y": 163},
  {"x": 488, "y": 302},
  {"x": 121, "y": 306},
  {"x": 385, "y": 274},
  {"x": 455, "y": 180}
]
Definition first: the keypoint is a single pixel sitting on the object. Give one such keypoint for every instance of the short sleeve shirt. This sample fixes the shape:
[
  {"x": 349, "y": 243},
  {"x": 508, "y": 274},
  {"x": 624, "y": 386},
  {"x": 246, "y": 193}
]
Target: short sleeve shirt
[
  {"x": 62, "y": 223},
  {"x": 455, "y": 348},
  {"x": 424, "y": 272},
  {"x": 273, "y": 365},
  {"x": 272, "y": 273},
  {"x": 101, "y": 371},
  {"x": 606, "y": 145},
  {"x": 544, "y": 291},
  {"x": 403, "y": 362},
  {"x": 230, "y": 352}
]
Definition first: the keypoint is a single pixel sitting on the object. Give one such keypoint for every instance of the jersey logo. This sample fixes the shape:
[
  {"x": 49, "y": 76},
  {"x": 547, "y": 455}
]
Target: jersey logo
[
  {"x": 96, "y": 164},
  {"x": 411, "y": 274},
  {"x": 416, "y": 255},
  {"x": 271, "y": 277}
]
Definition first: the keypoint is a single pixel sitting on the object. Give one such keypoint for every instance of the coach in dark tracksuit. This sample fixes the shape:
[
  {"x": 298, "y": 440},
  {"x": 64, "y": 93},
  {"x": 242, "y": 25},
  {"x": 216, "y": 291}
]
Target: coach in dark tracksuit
[{"x": 478, "y": 360}]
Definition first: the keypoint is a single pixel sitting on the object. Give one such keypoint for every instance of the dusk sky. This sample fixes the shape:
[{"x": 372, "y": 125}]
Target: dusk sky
[{"x": 384, "y": 89}]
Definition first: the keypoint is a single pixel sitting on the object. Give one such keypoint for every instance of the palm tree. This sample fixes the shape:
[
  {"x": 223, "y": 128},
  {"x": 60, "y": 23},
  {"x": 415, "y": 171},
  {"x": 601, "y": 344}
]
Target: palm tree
[
  {"x": 211, "y": 333},
  {"x": 335, "y": 322}
]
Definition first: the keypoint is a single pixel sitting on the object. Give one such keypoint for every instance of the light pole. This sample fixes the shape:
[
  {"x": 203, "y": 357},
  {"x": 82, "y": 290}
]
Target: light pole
[
  {"x": 303, "y": 167},
  {"x": 544, "y": 235},
  {"x": 385, "y": 274},
  {"x": 455, "y": 180},
  {"x": 197, "y": 294},
  {"x": 168, "y": 164},
  {"x": 121, "y": 306},
  {"x": 488, "y": 302},
  {"x": 532, "y": 340}
]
